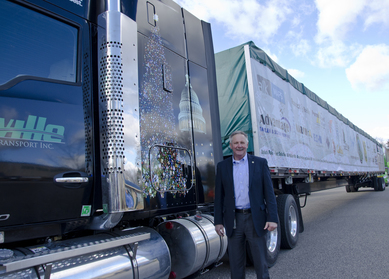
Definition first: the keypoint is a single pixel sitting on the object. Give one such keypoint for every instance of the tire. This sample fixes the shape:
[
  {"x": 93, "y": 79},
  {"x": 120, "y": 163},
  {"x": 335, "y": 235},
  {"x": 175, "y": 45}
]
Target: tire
[
  {"x": 354, "y": 188},
  {"x": 375, "y": 183},
  {"x": 351, "y": 188},
  {"x": 381, "y": 184},
  {"x": 273, "y": 244},
  {"x": 289, "y": 221}
]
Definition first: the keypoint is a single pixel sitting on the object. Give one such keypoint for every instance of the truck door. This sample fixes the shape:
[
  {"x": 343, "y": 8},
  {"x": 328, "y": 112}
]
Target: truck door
[{"x": 45, "y": 161}]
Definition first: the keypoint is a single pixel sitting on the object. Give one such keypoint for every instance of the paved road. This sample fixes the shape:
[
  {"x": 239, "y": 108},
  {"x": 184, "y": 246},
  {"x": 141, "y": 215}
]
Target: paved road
[{"x": 346, "y": 236}]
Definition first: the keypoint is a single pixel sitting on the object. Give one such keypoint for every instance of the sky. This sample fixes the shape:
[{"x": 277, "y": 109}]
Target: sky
[{"x": 339, "y": 49}]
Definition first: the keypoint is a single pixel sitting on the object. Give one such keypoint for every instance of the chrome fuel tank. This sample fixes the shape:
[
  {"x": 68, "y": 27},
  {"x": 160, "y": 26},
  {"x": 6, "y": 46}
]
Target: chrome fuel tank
[{"x": 193, "y": 243}]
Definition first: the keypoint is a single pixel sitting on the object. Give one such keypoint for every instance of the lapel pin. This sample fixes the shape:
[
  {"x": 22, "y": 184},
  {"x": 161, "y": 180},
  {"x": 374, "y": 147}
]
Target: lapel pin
[{"x": 252, "y": 162}]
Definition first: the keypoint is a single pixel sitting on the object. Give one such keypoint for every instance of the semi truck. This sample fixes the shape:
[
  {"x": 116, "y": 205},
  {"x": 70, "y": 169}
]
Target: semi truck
[
  {"x": 108, "y": 140},
  {"x": 112, "y": 119}
]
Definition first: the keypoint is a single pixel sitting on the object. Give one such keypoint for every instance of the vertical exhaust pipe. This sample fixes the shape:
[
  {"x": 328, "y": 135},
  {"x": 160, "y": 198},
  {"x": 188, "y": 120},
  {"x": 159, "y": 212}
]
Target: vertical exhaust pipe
[
  {"x": 118, "y": 108},
  {"x": 112, "y": 5}
]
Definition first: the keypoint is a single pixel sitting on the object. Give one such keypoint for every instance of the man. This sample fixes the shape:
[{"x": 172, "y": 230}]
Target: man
[{"x": 245, "y": 203}]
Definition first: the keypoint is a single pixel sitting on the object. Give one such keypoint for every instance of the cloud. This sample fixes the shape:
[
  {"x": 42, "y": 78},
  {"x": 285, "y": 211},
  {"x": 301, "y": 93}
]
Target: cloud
[
  {"x": 371, "y": 69},
  {"x": 301, "y": 48},
  {"x": 242, "y": 19},
  {"x": 306, "y": 8},
  {"x": 379, "y": 11},
  {"x": 336, "y": 18},
  {"x": 296, "y": 21},
  {"x": 296, "y": 73},
  {"x": 381, "y": 132},
  {"x": 336, "y": 54}
]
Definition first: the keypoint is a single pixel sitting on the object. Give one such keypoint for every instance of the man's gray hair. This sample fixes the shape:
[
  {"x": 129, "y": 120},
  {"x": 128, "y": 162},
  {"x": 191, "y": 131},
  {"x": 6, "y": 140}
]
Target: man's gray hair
[{"x": 239, "y": 133}]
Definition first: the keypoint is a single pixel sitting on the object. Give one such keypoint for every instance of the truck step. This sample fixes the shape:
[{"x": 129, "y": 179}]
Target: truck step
[{"x": 22, "y": 262}]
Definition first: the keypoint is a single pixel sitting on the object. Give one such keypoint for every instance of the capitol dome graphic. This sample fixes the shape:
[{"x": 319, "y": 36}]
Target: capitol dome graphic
[{"x": 185, "y": 105}]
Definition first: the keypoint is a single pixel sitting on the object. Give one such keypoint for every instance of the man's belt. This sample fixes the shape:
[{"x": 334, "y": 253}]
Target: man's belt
[{"x": 244, "y": 211}]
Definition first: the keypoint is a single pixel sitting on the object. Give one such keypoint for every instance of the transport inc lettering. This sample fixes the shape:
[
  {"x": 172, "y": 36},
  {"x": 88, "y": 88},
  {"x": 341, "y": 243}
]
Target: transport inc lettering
[{"x": 26, "y": 144}]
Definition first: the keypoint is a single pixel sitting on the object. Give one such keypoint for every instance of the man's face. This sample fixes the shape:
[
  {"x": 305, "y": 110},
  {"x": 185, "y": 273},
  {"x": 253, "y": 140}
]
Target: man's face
[{"x": 239, "y": 146}]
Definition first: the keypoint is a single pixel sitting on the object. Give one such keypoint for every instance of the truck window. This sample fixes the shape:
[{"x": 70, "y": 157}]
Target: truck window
[{"x": 34, "y": 44}]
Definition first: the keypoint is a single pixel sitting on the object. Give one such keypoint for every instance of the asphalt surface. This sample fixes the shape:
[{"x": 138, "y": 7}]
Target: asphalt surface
[{"x": 346, "y": 236}]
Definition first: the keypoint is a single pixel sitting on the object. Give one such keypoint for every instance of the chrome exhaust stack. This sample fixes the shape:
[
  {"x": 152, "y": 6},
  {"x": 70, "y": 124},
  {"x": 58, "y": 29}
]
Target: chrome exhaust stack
[{"x": 118, "y": 109}]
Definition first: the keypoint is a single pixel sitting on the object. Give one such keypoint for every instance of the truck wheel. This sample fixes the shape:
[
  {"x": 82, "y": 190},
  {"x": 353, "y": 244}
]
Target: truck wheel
[
  {"x": 351, "y": 187},
  {"x": 375, "y": 183},
  {"x": 381, "y": 184},
  {"x": 289, "y": 220},
  {"x": 273, "y": 244},
  {"x": 354, "y": 188}
]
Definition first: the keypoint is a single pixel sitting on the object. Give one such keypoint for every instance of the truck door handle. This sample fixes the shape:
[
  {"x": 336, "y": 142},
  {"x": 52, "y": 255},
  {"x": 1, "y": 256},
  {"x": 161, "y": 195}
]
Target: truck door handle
[
  {"x": 71, "y": 179},
  {"x": 4, "y": 217}
]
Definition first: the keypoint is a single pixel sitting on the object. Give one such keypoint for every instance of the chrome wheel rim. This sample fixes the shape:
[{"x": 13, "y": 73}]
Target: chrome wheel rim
[
  {"x": 272, "y": 238},
  {"x": 292, "y": 221}
]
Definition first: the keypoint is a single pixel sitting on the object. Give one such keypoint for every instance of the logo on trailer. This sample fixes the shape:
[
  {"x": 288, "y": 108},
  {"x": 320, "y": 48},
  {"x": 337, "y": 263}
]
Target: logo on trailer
[
  {"x": 264, "y": 85},
  {"x": 282, "y": 124},
  {"x": 268, "y": 88}
]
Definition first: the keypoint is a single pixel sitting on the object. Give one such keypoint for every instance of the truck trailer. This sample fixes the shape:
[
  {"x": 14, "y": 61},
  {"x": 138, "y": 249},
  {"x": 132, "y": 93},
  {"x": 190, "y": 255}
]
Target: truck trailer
[
  {"x": 108, "y": 140},
  {"x": 309, "y": 146}
]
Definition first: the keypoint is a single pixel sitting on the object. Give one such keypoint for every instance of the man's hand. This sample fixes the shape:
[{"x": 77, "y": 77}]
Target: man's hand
[
  {"x": 220, "y": 230},
  {"x": 270, "y": 226}
]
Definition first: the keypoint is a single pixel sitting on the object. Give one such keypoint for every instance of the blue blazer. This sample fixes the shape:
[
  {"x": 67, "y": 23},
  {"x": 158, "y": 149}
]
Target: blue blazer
[{"x": 261, "y": 194}]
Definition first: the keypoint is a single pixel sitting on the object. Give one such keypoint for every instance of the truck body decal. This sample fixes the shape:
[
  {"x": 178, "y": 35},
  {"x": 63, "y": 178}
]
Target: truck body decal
[{"x": 35, "y": 128}]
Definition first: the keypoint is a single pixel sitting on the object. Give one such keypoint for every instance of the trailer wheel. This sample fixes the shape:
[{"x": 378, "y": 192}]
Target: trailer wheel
[
  {"x": 289, "y": 220},
  {"x": 375, "y": 183},
  {"x": 273, "y": 244},
  {"x": 381, "y": 184},
  {"x": 352, "y": 187}
]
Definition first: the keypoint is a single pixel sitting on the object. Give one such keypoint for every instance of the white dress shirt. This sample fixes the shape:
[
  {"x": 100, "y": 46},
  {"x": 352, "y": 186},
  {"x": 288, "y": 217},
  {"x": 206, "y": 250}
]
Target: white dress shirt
[{"x": 241, "y": 182}]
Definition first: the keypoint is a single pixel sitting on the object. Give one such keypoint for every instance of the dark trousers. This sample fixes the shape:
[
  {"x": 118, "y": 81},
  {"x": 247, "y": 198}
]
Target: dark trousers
[{"x": 237, "y": 248}]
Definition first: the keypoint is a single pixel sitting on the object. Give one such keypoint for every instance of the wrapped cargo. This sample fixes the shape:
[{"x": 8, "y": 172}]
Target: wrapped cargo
[{"x": 287, "y": 123}]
